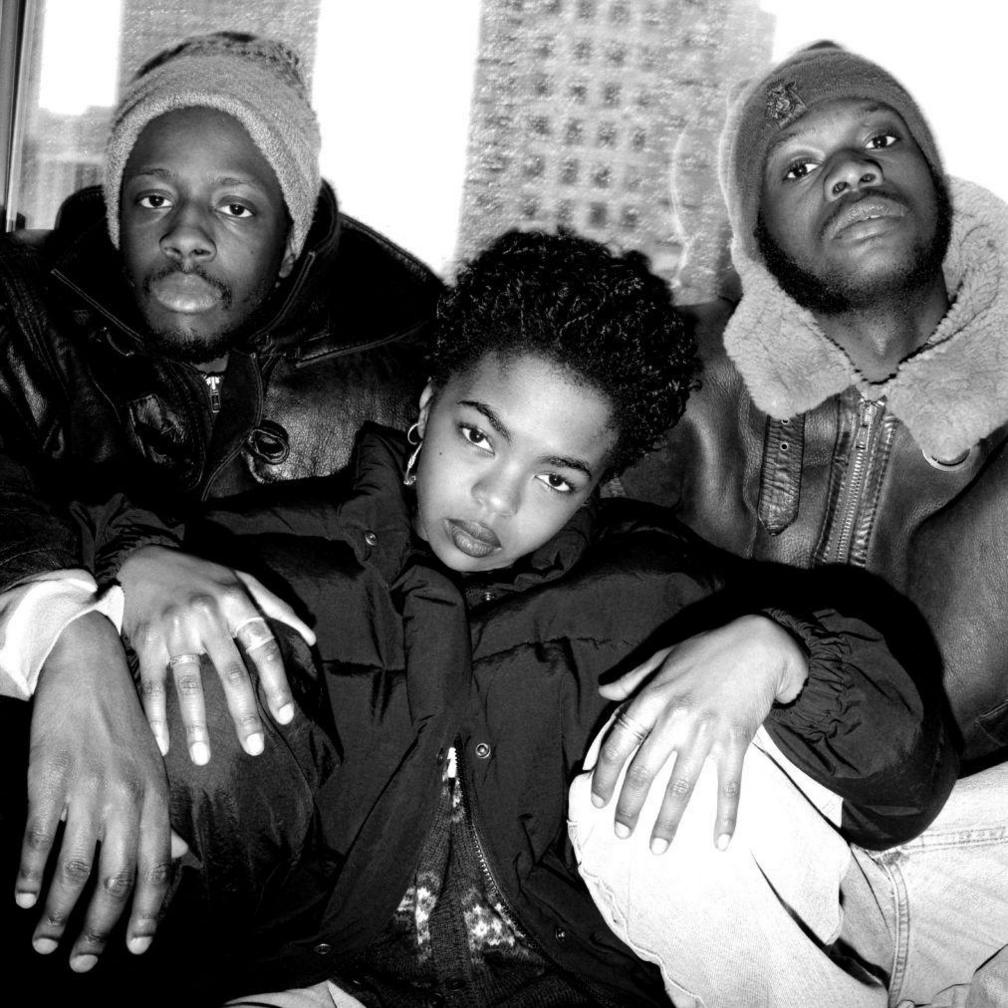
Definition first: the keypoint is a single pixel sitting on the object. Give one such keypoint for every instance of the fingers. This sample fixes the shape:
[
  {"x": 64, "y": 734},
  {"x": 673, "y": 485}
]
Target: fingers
[
  {"x": 210, "y": 622},
  {"x": 185, "y": 669},
  {"x": 275, "y": 608},
  {"x": 689, "y": 761},
  {"x": 39, "y": 836},
  {"x": 153, "y": 661},
  {"x": 260, "y": 646},
  {"x": 153, "y": 872},
  {"x": 730, "y": 762},
  {"x": 238, "y": 690},
  {"x": 73, "y": 868},
  {"x": 115, "y": 877},
  {"x": 625, "y": 734}
]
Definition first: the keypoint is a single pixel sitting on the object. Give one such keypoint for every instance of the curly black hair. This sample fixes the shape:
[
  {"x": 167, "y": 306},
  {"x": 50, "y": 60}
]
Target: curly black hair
[{"x": 603, "y": 316}]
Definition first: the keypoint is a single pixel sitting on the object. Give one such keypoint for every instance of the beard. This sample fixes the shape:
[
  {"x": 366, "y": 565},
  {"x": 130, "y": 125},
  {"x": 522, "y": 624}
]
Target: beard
[
  {"x": 195, "y": 345},
  {"x": 191, "y": 346},
  {"x": 838, "y": 294}
]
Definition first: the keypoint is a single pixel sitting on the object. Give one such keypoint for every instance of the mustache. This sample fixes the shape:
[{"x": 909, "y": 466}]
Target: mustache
[
  {"x": 166, "y": 271},
  {"x": 844, "y": 205}
]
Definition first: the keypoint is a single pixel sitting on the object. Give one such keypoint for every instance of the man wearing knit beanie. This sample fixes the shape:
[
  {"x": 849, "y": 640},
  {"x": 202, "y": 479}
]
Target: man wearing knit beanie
[
  {"x": 205, "y": 322},
  {"x": 853, "y": 411}
]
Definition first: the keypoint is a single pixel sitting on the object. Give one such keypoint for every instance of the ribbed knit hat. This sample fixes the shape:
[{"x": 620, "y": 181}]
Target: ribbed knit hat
[
  {"x": 818, "y": 73},
  {"x": 257, "y": 80}
]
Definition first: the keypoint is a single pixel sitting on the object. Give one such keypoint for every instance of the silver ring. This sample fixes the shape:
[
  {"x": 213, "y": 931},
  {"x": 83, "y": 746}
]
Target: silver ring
[
  {"x": 244, "y": 623},
  {"x": 256, "y": 638},
  {"x": 628, "y": 724},
  {"x": 189, "y": 658}
]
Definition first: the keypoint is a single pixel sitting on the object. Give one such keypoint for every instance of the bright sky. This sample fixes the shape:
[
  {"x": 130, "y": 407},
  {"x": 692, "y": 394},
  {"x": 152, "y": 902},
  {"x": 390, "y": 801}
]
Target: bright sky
[{"x": 393, "y": 83}]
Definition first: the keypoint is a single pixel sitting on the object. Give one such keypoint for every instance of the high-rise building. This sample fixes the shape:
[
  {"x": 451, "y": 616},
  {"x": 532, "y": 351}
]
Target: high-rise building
[{"x": 603, "y": 116}]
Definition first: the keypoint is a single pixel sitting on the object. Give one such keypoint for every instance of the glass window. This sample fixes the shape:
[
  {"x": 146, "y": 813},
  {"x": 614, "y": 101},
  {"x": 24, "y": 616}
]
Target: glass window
[{"x": 425, "y": 107}]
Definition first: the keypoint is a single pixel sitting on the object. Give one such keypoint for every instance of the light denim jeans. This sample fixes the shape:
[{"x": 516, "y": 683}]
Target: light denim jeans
[
  {"x": 791, "y": 916},
  {"x": 321, "y": 995}
]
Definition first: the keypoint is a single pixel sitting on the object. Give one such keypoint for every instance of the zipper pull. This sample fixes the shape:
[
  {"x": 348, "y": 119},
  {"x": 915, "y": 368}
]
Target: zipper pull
[{"x": 213, "y": 383}]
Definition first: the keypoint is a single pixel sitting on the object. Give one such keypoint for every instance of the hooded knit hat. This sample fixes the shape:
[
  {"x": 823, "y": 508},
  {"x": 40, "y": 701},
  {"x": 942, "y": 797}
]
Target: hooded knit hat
[
  {"x": 257, "y": 80},
  {"x": 819, "y": 73}
]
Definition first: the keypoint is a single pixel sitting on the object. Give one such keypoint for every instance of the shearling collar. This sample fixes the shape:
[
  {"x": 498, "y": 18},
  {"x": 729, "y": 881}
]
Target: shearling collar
[{"x": 950, "y": 394}]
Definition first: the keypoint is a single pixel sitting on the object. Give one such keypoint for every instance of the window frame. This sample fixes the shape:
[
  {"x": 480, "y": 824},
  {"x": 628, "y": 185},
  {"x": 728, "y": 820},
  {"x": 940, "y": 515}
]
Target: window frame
[{"x": 14, "y": 59}]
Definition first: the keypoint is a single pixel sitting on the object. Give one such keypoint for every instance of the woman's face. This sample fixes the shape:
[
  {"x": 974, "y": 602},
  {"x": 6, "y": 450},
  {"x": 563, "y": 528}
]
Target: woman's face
[{"x": 512, "y": 448}]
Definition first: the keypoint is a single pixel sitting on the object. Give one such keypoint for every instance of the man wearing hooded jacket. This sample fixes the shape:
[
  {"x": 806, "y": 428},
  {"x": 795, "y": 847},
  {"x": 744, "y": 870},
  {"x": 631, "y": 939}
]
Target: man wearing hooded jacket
[
  {"x": 853, "y": 411},
  {"x": 854, "y": 407}
]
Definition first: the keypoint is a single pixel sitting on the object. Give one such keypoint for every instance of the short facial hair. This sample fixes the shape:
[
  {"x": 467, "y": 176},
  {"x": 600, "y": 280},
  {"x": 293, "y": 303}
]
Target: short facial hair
[{"x": 836, "y": 295}]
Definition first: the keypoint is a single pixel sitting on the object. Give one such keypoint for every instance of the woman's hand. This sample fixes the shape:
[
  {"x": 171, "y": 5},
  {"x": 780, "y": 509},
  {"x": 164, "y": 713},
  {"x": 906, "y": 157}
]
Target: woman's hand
[
  {"x": 179, "y": 608},
  {"x": 703, "y": 698}
]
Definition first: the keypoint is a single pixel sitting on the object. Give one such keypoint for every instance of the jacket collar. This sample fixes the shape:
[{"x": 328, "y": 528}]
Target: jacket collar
[{"x": 950, "y": 394}]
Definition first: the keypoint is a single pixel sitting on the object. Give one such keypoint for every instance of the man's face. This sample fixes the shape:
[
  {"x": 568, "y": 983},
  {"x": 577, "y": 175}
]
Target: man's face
[
  {"x": 849, "y": 209},
  {"x": 203, "y": 231}
]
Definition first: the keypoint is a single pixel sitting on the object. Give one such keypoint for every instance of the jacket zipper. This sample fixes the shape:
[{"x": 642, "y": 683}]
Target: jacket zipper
[
  {"x": 236, "y": 449},
  {"x": 868, "y": 412},
  {"x": 213, "y": 384},
  {"x": 506, "y": 910}
]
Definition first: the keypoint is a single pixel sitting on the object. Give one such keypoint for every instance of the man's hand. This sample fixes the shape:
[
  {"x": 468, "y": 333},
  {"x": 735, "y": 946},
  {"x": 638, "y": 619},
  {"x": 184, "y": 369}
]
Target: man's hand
[
  {"x": 178, "y": 608},
  {"x": 705, "y": 697},
  {"x": 93, "y": 764}
]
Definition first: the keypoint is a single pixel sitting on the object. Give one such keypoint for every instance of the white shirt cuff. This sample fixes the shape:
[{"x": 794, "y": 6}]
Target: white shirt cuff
[{"x": 35, "y": 612}]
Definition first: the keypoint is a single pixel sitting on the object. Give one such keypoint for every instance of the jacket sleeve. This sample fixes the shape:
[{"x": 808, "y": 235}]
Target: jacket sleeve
[
  {"x": 865, "y": 727},
  {"x": 872, "y": 723},
  {"x": 34, "y": 537}
]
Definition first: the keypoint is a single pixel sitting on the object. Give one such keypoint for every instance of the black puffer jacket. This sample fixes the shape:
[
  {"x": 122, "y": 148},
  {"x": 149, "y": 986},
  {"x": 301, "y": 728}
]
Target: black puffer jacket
[
  {"x": 507, "y": 668},
  {"x": 86, "y": 412}
]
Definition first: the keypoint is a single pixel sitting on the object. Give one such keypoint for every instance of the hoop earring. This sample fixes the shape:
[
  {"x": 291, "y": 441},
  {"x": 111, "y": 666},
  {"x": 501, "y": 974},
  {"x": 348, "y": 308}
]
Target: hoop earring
[{"x": 414, "y": 438}]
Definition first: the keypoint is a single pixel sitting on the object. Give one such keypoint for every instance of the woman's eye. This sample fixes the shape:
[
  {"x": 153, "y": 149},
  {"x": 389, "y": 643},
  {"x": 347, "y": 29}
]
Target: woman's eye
[
  {"x": 153, "y": 201},
  {"x": 881, "y": 140},
  {"x": 557, "y": 483},
  {"x": 475, "y": 436},
  {"x": 799, "y": 169},
  {"x": 236, "y": 210}
]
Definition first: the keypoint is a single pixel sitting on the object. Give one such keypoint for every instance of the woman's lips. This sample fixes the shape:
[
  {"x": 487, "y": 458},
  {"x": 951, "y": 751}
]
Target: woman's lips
[
  {"x": 472, "y": 538},
  {"x": 185, "y": 292}
]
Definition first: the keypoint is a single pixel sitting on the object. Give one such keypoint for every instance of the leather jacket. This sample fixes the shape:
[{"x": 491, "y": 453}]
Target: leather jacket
[
  {"x": 87, "y": 412},
  {"x": 845, "y": 483}
]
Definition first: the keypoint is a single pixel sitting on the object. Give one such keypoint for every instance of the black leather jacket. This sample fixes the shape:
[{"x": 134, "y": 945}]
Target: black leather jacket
[
  {"x": 845, "y": 483},
  {"x": 86, "y": 412}
]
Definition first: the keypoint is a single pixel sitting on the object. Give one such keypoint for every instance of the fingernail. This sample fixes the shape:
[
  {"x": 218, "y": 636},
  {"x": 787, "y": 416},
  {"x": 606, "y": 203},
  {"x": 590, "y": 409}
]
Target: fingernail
[
  {"x": 597, "y": 800},
  {"x": 622, "y": 830},
  {"x": 723, "y": 841},
  {"x": 45, "y": 945},
  {"x": 25, "y": 900},
  {"x": 82, "y": 963},
  {"x": 286, "y": 713},
  {"x": 659, "y": 845},
  {"x": 140, "y": 944},
  {"x": 254, "y": 743},
  {"x": 200, "y": 753}
]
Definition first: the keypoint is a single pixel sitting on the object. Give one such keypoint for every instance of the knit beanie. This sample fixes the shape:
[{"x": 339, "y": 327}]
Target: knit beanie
[
  {"x": 819, "y": 73},
  {"x": 257, "y": 80}
]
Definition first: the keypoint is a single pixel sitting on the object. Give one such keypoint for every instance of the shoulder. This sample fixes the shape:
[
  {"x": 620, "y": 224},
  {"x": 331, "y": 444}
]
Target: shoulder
[{"x": 374, "y": 288}]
